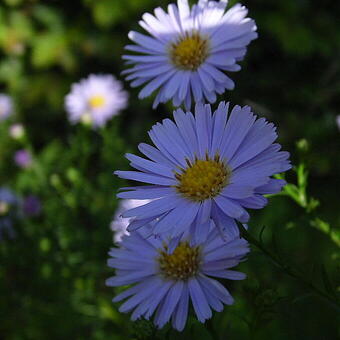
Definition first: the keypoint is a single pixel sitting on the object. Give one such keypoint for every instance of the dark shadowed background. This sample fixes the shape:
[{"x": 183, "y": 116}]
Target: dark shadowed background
[{"x": 52, "y": 274}]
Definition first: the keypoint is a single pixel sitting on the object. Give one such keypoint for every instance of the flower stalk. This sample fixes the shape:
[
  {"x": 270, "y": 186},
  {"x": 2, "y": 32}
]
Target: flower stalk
[{"x": 288, "y": 269}]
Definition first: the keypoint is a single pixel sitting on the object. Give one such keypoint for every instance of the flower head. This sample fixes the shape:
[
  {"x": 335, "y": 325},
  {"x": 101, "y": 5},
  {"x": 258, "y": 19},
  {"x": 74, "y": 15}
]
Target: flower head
[
  {"x": 119, "y": 224},
  {"x": 95, "y": 100},
  {"x": 338, "y": 121},
  {"x": 169, "y": 273},
  {"x": 17, "y": 131},
  {"x": 6, "y": 106},
  {"x": 23, "y": 158},
  {"x": 205, "y": 166},
  {"x": 8, "y": 205},
  {"x": 31, "y": 205},
  {"x": 189, "y": 50}
]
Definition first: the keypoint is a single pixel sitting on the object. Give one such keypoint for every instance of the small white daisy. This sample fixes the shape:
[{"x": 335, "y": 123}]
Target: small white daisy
[
  {"x": 16, "y": 131},
  {"x": 95, "y": 100},
  {"x": 189, "y": 51}
]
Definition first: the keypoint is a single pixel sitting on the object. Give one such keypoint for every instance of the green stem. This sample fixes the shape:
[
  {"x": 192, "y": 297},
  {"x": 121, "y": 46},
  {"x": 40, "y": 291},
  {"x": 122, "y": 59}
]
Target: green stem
[{"x": 288, "y": 269}]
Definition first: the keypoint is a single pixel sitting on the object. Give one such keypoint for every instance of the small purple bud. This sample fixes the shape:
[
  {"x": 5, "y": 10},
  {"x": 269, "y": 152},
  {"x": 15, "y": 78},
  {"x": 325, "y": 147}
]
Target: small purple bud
[
  {"x": 23, "y": 159},
  {"x": 31, "y": 205}
]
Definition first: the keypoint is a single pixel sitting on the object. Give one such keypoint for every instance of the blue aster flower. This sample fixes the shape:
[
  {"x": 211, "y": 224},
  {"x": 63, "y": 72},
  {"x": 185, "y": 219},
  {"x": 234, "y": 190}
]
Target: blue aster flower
[
  {"x": 6, "y": 106},
  {"x": 168, "y": 274},
  {"x": 8, "y": 205},
  {"x": 189, "y": 51},
  {"x": 205, "y": 166},
  {"x": 31, "y": 206}
]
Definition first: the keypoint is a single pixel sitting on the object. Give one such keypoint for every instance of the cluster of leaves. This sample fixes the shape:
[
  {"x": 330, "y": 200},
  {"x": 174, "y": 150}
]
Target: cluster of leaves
[{"x": 52, "y": 275}]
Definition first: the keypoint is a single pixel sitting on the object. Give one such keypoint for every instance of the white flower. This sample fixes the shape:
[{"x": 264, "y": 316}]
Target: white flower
[
  {"x": 95, "y": 100},
  {"x": 17, "y": 131},
  {"x": 119, "y": 224}
]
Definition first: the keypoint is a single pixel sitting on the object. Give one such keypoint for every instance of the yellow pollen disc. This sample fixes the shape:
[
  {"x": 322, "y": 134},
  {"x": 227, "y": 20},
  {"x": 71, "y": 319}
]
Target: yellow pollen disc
[
  {"x": 182, "y": 264},
  {"x": 189, "y": 52},
  {"x": 203, "y": 179},
  {"x": 96, "y": 102}
]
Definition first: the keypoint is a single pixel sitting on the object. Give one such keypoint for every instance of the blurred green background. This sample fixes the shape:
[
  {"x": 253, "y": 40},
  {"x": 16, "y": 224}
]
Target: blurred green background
[{"x": 52, "y": 275}]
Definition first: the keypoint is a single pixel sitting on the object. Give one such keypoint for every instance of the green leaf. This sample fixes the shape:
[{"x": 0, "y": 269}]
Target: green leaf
[
  {"x": 327, "y": 282},
  {"x": 52, "y": 49},
  {"x": 325, "y": 228},
  {"x": 293, "y": 191},
  {"x": 107, "y": 13},
  {"x": 49, "y": 17},
  {"x": 302, "y": 176}
]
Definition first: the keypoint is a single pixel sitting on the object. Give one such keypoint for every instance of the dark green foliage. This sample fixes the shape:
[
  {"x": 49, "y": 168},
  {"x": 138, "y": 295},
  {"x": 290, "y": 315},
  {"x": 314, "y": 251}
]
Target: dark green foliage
[{"x": 52, "y": 275}]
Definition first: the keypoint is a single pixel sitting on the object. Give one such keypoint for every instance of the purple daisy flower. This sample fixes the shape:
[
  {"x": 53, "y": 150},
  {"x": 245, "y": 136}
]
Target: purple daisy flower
[
  {"x": 95, "y": 100},
  {"x": 205, "y": 166},
  {"x": 119, "y": 224},
  {"x": 6, "y": 106},
  {"x": 23, "y": 158},
  {"x": 8, "y": 205},
  {"x": 167, "y": 275},
  {"x": 31, "y": 205},
  {"x": 189, "y": 50}
]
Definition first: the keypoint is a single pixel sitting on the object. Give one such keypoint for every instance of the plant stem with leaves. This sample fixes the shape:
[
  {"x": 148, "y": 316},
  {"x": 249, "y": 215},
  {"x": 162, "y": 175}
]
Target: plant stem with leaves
[{"x": 331, "y": 296}]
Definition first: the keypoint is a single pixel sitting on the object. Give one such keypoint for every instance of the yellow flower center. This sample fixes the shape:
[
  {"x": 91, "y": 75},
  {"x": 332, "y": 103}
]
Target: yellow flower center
[
  {"x": 203, "y": 179},
  {"x": 4, "y": 208},
  {"x": 189, "y": 52},
  {"x": 182, "y": 264},
  {"x": 96, "y": 102}
]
